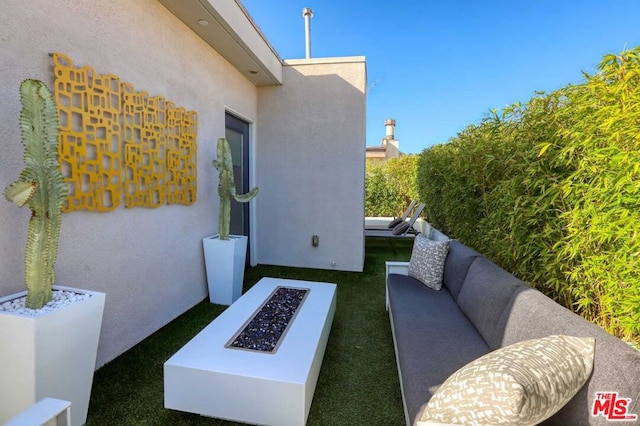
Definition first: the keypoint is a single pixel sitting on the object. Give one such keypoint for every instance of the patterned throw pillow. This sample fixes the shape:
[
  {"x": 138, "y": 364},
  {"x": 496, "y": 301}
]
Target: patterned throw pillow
[
  {"x": 427, "y": 261},
  {"x": 521, "y": 384}
]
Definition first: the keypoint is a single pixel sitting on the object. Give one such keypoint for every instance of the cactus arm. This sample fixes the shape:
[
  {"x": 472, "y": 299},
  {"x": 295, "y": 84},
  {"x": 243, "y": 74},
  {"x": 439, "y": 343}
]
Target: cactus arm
[
  {"x": 245, "y": 198},
  {"x": 227, "y": 188},
  {"x": 41, "y": 187},
  {"x": 19, "y": 192},
  {"x": 57, "y": 190}
]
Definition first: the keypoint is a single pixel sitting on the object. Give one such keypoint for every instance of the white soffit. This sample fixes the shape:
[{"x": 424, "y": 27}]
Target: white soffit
[
  {"x": 231, "y": 32},
  {"x": 325, "y": 61}
]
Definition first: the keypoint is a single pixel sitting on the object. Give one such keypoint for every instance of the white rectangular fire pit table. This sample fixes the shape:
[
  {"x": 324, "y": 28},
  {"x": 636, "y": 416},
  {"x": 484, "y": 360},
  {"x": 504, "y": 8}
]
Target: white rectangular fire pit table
[{"x": 257, "y": 387}]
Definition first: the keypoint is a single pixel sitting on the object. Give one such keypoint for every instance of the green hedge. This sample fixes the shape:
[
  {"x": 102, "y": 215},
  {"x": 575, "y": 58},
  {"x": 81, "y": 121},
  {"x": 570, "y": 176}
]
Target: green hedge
[
  {"x": 390, "y": 187},
  {"x": 550, "y": 190}
]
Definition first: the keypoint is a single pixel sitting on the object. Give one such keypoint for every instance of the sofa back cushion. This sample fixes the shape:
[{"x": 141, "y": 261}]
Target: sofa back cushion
[
  {"x": 456, "y": 266},
  {"x": 616, "y": 367},
  {"x": 485, "y": 297}
]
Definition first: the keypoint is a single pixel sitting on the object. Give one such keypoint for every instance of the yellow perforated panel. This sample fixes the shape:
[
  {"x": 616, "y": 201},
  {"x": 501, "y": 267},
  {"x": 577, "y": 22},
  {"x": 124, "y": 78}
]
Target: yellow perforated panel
[
  {"x": 145, "y": 147},
  {"x": 115, "y": 142},
  {"x": 182, "y": 177},
  {"x": 90, "y": 135}
]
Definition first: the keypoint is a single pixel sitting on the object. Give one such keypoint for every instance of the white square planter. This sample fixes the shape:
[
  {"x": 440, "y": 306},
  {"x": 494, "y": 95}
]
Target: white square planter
[
  {"x": 224, "y": 261},
  {"x": 51, "y": 355}
]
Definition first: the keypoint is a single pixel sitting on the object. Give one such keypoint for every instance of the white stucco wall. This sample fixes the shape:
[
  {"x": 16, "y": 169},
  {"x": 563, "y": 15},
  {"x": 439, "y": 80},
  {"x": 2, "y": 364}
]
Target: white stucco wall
[
  {"x": 148, "y": 261},
  {"x": 310, "y": 165}
]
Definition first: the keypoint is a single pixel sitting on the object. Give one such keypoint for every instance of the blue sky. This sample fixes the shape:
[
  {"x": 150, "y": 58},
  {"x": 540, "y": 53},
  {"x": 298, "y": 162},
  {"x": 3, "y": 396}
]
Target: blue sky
[{"x": 438, "y": 66}]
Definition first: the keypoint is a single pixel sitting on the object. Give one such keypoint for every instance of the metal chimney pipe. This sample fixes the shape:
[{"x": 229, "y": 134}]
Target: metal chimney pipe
[
  {"x": 307, "y": 13},
  {"x": 390, "y": 126}
]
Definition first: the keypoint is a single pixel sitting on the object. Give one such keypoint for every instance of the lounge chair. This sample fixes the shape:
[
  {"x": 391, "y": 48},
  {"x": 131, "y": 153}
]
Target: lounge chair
[
  {"x": 404, "y": 229},
  {"x": 394, "y": 222}
]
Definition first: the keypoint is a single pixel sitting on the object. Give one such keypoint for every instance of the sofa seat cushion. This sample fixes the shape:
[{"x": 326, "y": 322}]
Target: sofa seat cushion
[
  {"x": 432, "y": 339},
  {"x": 521, "y": 384}
]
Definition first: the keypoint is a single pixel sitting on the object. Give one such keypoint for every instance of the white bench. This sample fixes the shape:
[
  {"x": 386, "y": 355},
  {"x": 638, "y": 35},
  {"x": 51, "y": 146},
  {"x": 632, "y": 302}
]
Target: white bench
[
  {"x": 249, "y": 386},
  {"x": 46, "y": 411}
]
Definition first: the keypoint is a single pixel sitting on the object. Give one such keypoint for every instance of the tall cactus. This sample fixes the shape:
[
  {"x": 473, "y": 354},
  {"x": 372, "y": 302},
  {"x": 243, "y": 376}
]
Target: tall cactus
[
  {"x": 41, "y": 187},
  {"x": 227, "y": 188}
]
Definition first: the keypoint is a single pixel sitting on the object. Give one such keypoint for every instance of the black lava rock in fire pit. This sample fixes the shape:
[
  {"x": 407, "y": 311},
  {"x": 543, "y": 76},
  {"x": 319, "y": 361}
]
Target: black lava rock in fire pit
[{"x": 266, "y": 327}]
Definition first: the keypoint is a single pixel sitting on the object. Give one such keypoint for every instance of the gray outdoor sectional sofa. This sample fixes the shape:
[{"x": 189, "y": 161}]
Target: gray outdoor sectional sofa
[{"x": 481, "y": 308}]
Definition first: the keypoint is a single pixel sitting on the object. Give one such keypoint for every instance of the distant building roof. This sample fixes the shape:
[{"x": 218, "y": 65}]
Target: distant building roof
[{"x": 390, "y": 147}]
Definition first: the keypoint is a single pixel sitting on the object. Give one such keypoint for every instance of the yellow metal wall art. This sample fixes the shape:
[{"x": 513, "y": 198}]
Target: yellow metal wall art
[
  {"x": 182, "y": 130},
  {"x": 118, "y": 143}
]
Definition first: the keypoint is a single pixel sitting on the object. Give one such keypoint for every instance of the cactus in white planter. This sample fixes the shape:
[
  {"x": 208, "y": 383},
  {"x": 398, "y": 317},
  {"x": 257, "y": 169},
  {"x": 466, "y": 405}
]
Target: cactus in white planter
[
  {"x": 227, "y": 188},
  {"x": 40, "y": 187},
  {"x": 55, "y": 349},
  {"x": 224, "y": 256}
]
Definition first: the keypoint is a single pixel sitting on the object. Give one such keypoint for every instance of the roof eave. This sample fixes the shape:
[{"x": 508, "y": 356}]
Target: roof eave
[{"x": 231, "y": 31}]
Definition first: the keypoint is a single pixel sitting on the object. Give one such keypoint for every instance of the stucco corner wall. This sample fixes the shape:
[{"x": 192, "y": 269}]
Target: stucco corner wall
[
  {"x": 149, "y": 262},
  {"x": 310, "y": 159}
]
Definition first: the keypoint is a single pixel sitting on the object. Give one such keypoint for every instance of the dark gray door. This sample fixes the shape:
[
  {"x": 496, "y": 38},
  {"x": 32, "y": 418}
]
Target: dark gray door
[{"x": 237, "y": 134}]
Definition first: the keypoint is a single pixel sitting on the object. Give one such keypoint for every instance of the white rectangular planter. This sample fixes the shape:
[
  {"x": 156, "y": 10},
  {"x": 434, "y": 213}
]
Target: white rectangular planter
[
  {"x": 224, "y": 261},
  {"x": 52, "y": 355},
  {"x": 208, "y": 378}
]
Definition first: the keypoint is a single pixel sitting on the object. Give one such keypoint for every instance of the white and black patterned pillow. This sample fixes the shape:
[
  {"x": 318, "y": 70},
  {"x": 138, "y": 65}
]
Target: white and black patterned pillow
[
  {"x": 521, "y": 384},
  {"x": 427, "y": 261}
]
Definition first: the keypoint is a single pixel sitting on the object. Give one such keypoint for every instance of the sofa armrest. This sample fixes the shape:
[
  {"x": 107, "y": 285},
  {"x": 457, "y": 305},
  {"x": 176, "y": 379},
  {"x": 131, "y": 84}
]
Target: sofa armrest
[
  {"x": 393, "y": 267},
  {"x": 401, "y": 268}
]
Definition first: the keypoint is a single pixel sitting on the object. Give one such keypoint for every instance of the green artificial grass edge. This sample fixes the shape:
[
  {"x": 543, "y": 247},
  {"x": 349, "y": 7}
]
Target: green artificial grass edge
[{"x": 358, "y": 381}]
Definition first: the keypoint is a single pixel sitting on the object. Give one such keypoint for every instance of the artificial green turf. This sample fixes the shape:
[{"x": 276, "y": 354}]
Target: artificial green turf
[{"x": 358, "y": 382}]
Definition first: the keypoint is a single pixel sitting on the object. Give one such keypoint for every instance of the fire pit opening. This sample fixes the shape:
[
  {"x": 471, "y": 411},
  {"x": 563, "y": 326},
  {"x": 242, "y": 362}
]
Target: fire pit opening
[{"x": 266, "y": 328}]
